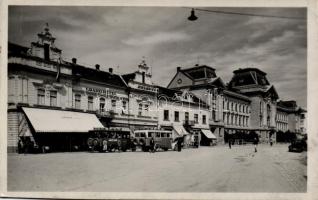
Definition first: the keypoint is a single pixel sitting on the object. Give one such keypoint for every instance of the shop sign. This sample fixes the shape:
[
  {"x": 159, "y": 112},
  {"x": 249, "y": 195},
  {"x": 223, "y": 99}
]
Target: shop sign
[
  {"x": 107, "y": 92},
  {"x": 147, "y": 88}
]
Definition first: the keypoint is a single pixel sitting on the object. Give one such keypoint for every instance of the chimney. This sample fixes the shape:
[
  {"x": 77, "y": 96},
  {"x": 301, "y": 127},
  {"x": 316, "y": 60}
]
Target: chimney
[
  {"x": 178, "y": 69},
  {"x": 97, "y": 66},
  {"x": 110, "y": 70},
  {"x": 74, "y": 60}
]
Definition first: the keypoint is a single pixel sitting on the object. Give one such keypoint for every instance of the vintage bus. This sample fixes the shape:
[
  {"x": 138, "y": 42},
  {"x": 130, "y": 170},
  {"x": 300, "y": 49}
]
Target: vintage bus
[
  {"x": 103, "y": 140},
  {"x": 162, "y": 138}
]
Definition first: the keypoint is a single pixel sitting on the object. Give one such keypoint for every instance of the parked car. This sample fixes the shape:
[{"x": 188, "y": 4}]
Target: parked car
[
  {"x": 298, "y": 145},
  {"x": 162, "y": 138},
  {"x": 109, "y": 140}
]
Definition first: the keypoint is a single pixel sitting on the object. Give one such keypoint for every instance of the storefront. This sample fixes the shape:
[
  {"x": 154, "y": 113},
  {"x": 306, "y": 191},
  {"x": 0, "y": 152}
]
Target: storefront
[
  {"x": 56, "y": 130},
  {"x": 207, "y": 138}
]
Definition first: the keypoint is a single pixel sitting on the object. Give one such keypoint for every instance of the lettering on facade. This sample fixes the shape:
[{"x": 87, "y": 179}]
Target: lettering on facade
[
  {"x": 107, "y": 92},
  {"x": 147, "y": 88}
]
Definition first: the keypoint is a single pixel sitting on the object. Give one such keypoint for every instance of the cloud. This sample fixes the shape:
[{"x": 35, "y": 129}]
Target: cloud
[{"x": 157, "y": 38}]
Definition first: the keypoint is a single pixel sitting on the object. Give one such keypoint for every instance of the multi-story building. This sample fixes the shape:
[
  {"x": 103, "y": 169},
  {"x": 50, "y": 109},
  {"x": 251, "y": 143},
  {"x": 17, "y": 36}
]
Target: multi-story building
[
  {"x": 142, "y": 107},
  {"x": 282, "y": 119},
  {"x": 186, "y": 115},
  {"x": 41, "y": 100},
  {"x": 229, "y": 110},
  {"x": 253, "y": 83},
  {"x": 293, "y": 117},
  {"x": 236, "y": 108},
  {"x": 203, "y": 82}
]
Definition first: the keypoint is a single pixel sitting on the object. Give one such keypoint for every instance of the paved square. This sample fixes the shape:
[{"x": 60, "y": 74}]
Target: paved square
[{"x": 207, "y": 169}]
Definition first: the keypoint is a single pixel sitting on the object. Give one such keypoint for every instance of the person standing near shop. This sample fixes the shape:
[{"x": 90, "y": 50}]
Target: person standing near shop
[
  {"x": 152, "y": 145},
  {"x": 179, "y": 143},
  {"x": 271, "y": 141},
  {"x": 230, "y": 142}
]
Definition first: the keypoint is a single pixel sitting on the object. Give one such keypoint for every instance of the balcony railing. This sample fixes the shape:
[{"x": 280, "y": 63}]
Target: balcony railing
[{"x": 109, "y": 113}]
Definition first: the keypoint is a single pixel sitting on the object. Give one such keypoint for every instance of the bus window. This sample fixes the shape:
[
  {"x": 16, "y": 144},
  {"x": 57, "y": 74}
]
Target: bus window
[
  {"x": 142, "y": 134},
  {"x": 137, "y": 135},
  {"x": 158, "y": 134},
  {"x": 149, "y": 134},
  {"x": 163, "y": 134}
]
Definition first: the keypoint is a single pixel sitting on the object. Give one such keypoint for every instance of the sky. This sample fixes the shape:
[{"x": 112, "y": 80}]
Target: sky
[{"x": 121, "y": 37}]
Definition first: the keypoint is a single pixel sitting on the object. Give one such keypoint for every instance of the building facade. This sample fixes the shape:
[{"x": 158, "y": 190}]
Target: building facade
[
  {"x": 186, "y": 115},
  {"x": 203, "y": 82}
]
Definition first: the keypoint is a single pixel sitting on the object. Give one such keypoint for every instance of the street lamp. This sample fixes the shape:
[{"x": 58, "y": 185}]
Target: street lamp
[{"x": 192, "y": 17}]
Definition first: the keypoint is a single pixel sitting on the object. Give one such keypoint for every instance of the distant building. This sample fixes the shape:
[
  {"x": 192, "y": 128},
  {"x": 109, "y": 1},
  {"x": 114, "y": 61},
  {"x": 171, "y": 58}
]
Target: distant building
[
  {"x": 294, "y": 117},
  {"x": 253, "y": 83}
]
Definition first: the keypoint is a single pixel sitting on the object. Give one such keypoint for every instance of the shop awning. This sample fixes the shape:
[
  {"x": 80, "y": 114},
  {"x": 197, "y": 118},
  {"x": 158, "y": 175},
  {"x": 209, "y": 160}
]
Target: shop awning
[
  {"x": 46, "y": 120},
  {"x": 180, "y": 130},
  {"x": 208, "y": 133}
]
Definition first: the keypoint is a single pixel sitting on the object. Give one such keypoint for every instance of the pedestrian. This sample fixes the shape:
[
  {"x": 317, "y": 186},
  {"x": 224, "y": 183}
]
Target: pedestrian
[
  {"x": 255, "y": 142},
  {"x": 271, "y": 141},
  {"x": 179, "y": 143},
  {"x": 152, "y": 145},
  {"x": 230, "y": 143}
]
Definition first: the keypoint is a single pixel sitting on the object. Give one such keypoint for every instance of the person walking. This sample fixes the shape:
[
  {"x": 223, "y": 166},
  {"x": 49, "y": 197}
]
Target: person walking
[
  {"x": 230, "y": 143},
  {"x": 271, "y": 141},
  {"x": 255, "y": 142},
  {"x": 152, "y": 145},
  {"x": 179, "y": 143}
]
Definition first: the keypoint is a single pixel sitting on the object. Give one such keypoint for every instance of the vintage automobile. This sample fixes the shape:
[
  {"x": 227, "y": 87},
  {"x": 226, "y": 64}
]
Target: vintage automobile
[
  {"x": 109, "y": 140},
  {"x": 162, "y": 139},
  {"x": 298, "y": 145}
]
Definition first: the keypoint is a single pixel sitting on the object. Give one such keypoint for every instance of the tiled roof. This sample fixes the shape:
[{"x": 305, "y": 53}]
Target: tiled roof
[
  {"x": 15, "y": 49},
  {"x": 128, "y": 77},
  {"x": 97, "y": 75}
]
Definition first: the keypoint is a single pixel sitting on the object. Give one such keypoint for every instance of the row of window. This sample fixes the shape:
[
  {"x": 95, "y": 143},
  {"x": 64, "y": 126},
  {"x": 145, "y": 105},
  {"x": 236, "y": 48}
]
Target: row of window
[
  {"x": 237, "y": 107},
  {"x": 102, "y": 103},
  {"x": 282, "y": 126},
  {"x": 238, "y": 120},
  {"x": 282, "y": 117},
  {"x": 186, "y": 117},
  {"x": 41, "y": 97}
]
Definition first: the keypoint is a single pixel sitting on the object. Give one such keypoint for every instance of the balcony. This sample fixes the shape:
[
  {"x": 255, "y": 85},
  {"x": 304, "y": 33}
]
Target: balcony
[{"x": 105, "y": 113}]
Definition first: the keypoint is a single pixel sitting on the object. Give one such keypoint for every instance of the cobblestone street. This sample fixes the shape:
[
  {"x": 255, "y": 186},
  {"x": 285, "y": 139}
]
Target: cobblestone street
[{"x": 215, "y": 169}]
